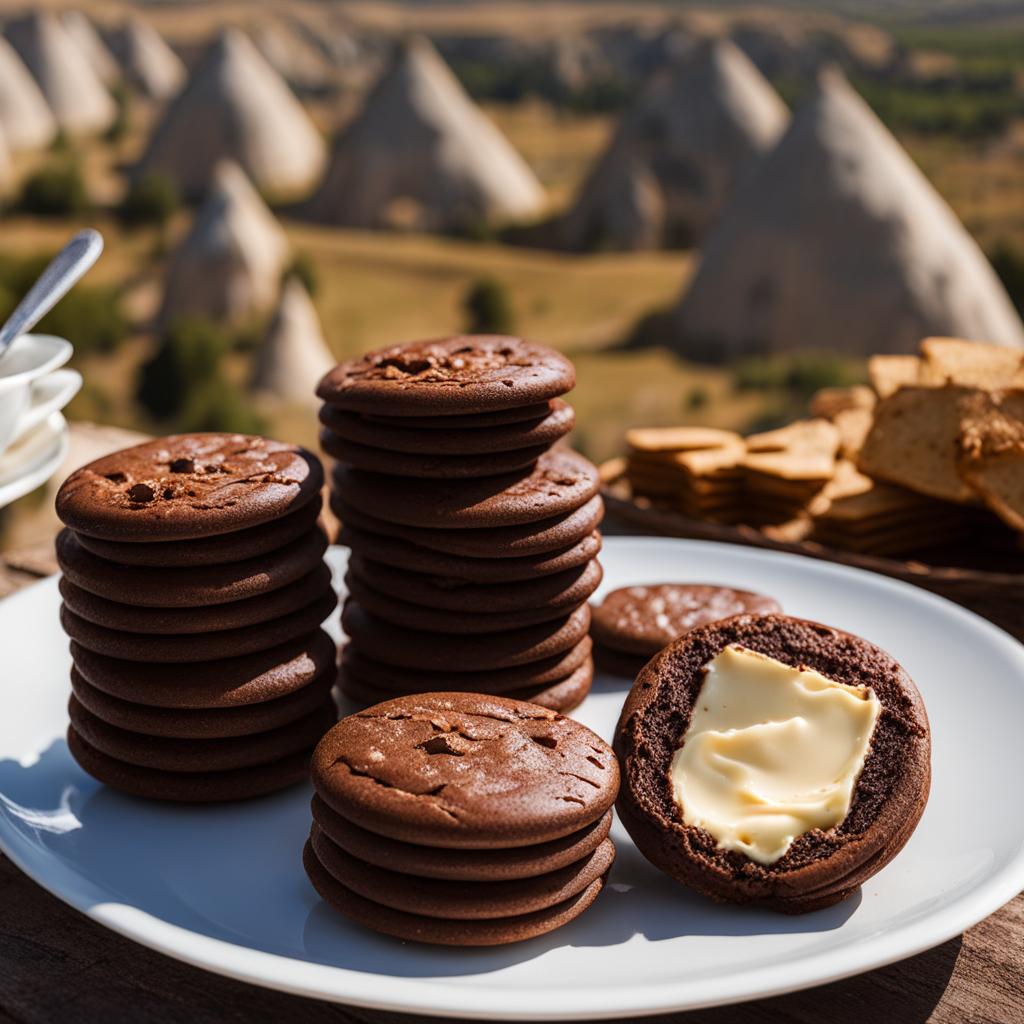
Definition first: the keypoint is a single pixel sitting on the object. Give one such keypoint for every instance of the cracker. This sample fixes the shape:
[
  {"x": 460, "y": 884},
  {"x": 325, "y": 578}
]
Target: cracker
[
  {"x": 829, "y": 402},
  {"x": 853, "y": 426},
  {"x": 991, "y": 453},
  {"x": 970, "y": 364},
  {"x": 677, "y": 439},
  {"x": 890, "y": 373}
]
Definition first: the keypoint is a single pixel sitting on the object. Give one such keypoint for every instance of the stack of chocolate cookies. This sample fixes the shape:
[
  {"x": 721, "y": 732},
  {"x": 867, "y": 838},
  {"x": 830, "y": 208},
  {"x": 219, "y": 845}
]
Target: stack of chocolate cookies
[
  {"x": 461, "y": 819},
  {"x": 194, "y": 587},
  {"x": 473, "y": 539}
]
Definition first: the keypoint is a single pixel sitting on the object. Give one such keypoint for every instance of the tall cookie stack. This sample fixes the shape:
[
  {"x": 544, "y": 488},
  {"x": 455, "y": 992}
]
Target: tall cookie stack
[
  {"x": 473, "y": 540},
  {"x": 194, "y": 587},
  {"x": 461, "y": 819}
]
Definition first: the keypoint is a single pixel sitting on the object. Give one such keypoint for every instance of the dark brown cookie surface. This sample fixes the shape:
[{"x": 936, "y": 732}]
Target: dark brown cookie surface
[
  {"x": 233, "y": 682},
  {"x": 417, "y": 928},
  {"x": 191, "y": 587},
  {"x": 188, "y": 787},
  {"x": 560, "y": 482},
  {"x": 460, "y": 865},
  {"x": 460, "y": 375},
  {"x": 401, "y": 554},
  {"x": 473, "y": 421},
  {"x": 457, "y": 439},
  {"x": 415, "y": 649},
  {"x": 188, "y": 485},
  {"x": 642, "y": 619},
  {"x": 820, "y": 867},
  {"x": 499, "y": 543},
  {"x": 465, "y": 771}
]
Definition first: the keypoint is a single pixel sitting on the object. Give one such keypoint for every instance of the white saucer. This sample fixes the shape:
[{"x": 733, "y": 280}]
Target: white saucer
[
  {"x": 33, "y": 459},
  {"x": 222, "y": 887}
]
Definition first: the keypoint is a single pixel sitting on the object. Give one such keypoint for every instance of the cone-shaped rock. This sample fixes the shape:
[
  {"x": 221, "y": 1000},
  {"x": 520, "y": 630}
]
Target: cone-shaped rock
[
  {"x": 150, "y": 65},
  {"x": 838, "y": 242},
  {"x": 422, "y": 155},
  {"x": 77, "y": 97},
  {"x": 293, "y": 355},
  {"x": 25, "y": 117},
  {"x": 235, "y": 106},
  {"x": 230, "y": 264},
  {"x": 694, "y": 131},
  {"x": 85, "y": 36}
]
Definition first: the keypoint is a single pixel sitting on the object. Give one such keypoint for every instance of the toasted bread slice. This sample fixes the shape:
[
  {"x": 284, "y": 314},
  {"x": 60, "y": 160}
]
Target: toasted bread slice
[{"x": 992, "y": 453}]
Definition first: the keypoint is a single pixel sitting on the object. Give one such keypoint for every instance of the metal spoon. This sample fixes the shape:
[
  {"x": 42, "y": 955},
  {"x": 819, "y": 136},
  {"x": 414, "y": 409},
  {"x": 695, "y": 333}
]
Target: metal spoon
[{"x": 63, "y": 271}]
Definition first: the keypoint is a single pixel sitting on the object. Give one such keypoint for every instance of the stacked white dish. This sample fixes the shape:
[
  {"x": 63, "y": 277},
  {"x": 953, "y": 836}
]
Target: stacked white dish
[{"x": 34, "y": 387}]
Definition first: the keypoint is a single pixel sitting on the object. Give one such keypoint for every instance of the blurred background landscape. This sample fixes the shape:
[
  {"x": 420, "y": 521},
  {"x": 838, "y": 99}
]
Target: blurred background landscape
[{"x": 281, "y": 185}]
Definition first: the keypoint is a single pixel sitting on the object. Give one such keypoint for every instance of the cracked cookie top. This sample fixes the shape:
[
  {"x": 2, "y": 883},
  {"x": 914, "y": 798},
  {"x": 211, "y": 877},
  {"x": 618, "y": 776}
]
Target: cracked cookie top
[
  {"x": 465, "y": 771},
  {"x": 188, "y": 485},
  {"x": 449, "y": 376}
]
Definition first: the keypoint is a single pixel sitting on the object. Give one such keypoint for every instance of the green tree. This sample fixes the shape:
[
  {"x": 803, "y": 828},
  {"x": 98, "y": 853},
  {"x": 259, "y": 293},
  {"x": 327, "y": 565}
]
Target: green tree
[
  {"x": 152, "y": 199},
  {"x": 56, "y": 190},
  {"x": 186, "y": 360},
  {"x": 488, "y": 308}
]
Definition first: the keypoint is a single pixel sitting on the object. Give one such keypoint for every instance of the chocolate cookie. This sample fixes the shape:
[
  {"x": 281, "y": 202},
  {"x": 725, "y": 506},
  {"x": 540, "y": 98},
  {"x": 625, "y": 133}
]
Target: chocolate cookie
[
  {"x": 188, "y": 787},
  {"x": 228, "y": 547},
  {"x": 193, "y": 647},
  {"x": 175, "y": 621},
  {"x": 428, "y": 467},
  {"x": 559, "y": 483},
  {"x": 501, "y": 543},
  {"x": 617, "y": 663},
  {"x": 417, "y": 928},
  {"x": 401, "y": 554},
  {"x": 396, "y": 681},
  {"x": 460, "y": 901},
  {"x": 643, "y": 619},
  {"x": 446, "y": 621},
  {"x": 196, "y": 586},
  {"x": 460, "y": 865},
  {"x": 479, "y": 420},
  {"x": 433, "y": 652},
  {"x": 205, "y": 755},
  {"x": 201, "y": 723},
  {"x": 422, "y": 769},
  {"x": 232, "y": 682},
  {"x": 467, "y": 374},
  {"x": 556, "y": 591},
  {"x": 458, "y": 439},
  {"x": 820, "y": 867},
  {"x": 188, "y": 486}
]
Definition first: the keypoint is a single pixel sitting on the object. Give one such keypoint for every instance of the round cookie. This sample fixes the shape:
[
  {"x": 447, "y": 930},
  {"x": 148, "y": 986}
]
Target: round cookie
[
  {"x": 173, "y": 621},
  {"x": 201, "y": 723},
  {"x": 233, "y": 682},
  {"x": 192, "y": 647},
  {"x": 210, "y": 755},
  {"x": 228, "y": 547},
  {"x": 421, "y": 769},
  {"x": 472, "y": 421},
  {"x": 188, "y": 485},
  {"x": 460, "y": 865},
  {"x": 559, "y": 483},
  {"x": 194, "y": 586},
  {"x": 460, "y": 901},
  {"x": 401, "y": 554},
  {"x": 466, "y": 374},
  {"x": 433, "y": 652},
  {"x": 396, "y": 681},
  {"x": 556, "y": 591},
  {"x": 498, "y": 543},
  {"x": 188, "y": 787},
  {"x": 820, "y": 867},
  {"x": 442, "y": 620},
  {"x": 416, "y": 928},
  {"x": 641, "y": 620},
  {"x": 561, "y": 695},
  {"x": 428, "y": 467},
  {"x": 458, "y": 439},
  {"x": 617, "y": 663}
]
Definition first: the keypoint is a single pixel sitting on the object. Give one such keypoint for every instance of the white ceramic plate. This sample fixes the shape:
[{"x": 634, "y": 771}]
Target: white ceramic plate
[
  {"x": 33, "y": 459},
  {"x": 222, "y": 887}
]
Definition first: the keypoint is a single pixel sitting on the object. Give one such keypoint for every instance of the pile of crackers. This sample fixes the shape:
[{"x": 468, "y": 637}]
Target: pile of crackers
[{"x": 914, "y": 461}]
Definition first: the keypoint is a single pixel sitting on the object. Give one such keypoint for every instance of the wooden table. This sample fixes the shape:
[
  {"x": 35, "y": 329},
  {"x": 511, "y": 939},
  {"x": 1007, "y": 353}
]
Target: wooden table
[{"x": 57, "y": 965}]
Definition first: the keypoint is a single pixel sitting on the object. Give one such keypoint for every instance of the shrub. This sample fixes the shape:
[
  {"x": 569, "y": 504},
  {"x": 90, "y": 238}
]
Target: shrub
[
  {"x": 304, "y": 269},
  {"x": 122, "y": 121},
  {"x": 697, "y": 398},
  {"x": 217, "y": 405},
  {"x": 152, "y": 199},
  {"x": 802, "y": 373},
  {"x": 488, "y": 308},
  {"x": 56, "y": 190},
  {"x": 1008, "y": 263}
]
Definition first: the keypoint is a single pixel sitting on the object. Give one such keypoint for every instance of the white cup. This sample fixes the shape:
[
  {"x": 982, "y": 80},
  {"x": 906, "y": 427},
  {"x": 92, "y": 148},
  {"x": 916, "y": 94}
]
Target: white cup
[{"x": 31, "y": 385}]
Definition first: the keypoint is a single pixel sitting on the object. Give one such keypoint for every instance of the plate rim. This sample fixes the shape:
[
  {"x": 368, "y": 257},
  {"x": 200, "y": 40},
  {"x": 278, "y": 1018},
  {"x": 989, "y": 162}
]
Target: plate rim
[{"x": 413, "y": 995}]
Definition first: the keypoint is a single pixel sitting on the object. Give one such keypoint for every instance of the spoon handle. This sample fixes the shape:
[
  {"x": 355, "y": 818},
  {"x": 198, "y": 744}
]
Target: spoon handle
[{"x": 63, "y": 271}]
